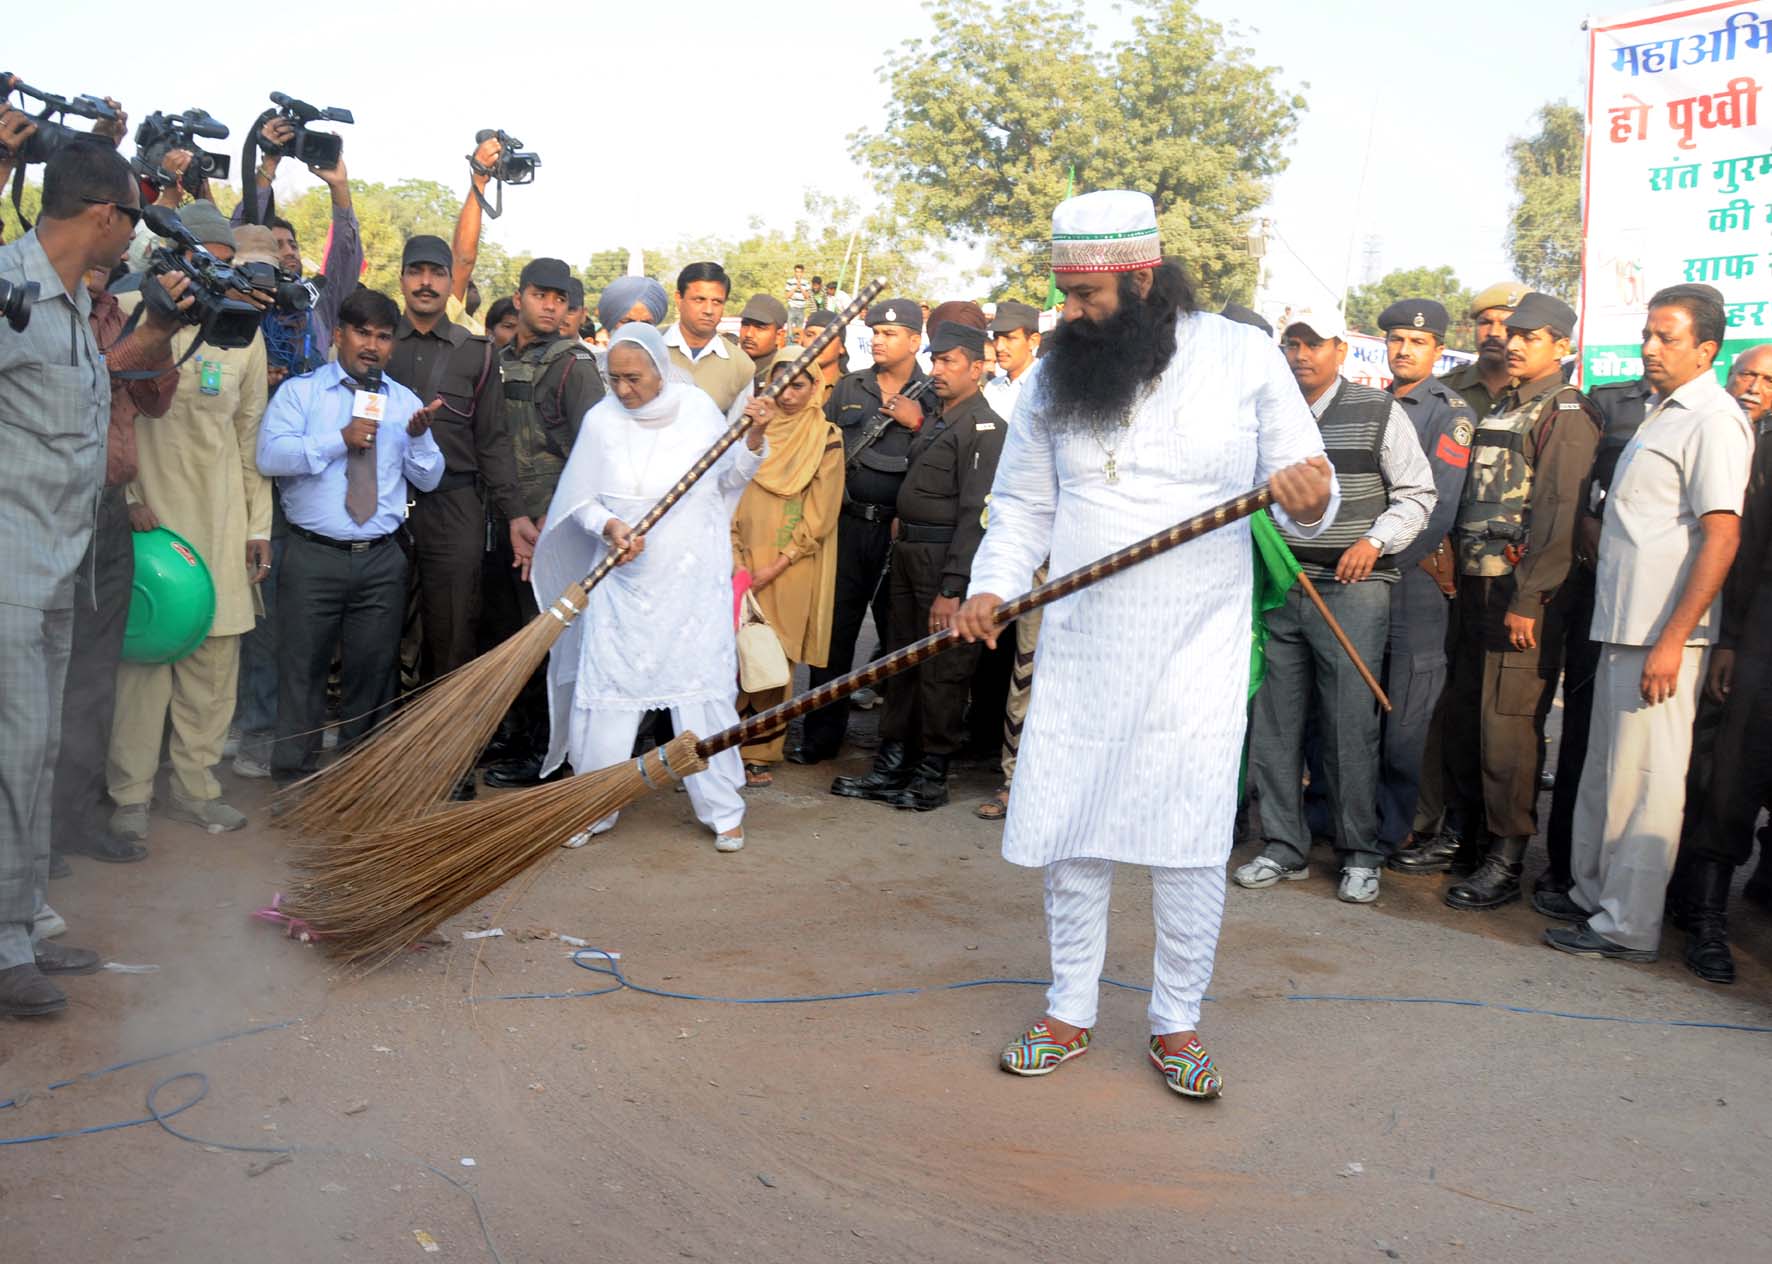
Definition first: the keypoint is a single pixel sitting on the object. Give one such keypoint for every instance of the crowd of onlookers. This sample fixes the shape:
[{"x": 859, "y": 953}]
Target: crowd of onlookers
[{"x": 365, "y": 478}]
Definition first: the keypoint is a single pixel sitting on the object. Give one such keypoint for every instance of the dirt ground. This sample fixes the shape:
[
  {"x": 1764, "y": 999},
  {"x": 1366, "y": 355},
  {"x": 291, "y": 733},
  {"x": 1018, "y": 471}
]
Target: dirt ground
[{"x": 629, "y": 1127}]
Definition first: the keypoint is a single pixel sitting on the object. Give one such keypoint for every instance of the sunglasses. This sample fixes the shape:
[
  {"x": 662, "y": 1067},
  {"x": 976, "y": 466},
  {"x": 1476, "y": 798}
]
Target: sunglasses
[{"x": 134, "y": 212}]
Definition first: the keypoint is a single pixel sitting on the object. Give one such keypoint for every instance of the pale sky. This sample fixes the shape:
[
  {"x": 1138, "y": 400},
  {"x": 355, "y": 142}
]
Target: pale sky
[{"x": 608, "y": 92}]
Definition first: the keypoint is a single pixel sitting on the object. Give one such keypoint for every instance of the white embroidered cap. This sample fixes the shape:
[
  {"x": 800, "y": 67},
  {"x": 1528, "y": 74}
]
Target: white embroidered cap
[{"x": 1112, "y": 230}]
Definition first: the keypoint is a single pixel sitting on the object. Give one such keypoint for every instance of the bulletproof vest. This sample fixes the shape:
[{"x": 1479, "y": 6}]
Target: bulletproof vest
[
  {"x": 1497, "y": 501},
  {"x": 1353, "y": 429},
  {"x": 537, "y": 430}
]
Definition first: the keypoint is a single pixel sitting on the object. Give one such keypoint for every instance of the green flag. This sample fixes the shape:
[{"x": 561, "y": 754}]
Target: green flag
[
  {"x": 1276, "y": 570},
  {"x": 1052, "y": 294}
]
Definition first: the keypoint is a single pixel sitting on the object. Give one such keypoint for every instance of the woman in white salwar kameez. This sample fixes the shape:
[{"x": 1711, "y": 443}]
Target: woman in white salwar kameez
[{"x": 658, "y": 632}]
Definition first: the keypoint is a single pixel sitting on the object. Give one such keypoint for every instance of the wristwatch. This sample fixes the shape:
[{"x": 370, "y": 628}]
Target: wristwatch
[
  {"x": 952, "y": 593},
  {"x": 1375, "y": 542}
]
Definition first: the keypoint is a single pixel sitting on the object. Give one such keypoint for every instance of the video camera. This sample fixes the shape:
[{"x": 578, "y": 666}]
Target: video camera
[
  {"x": 51, "y": 137},
  {"x": 225, "y": 321},
  {"x": 513, "y": 167},
  {"x": 287, "y": 291},
  {"x": 15, "y": 303},
  {"x": 161, "y": 133},
  {"x": 311, "y": 148}
]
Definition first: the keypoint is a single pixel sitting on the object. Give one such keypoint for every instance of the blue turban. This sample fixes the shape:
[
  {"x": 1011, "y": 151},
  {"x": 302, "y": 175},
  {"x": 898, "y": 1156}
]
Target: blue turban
[{"x": 620, "y": 295}]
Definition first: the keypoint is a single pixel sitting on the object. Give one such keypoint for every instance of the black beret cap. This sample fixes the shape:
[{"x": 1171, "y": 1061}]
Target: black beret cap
[
  {"x": 1415, "y": 313},
  {"x": 898, "y": 311},
  {"x": 1543, "y": 311},
  {"x": 951, "y": 333},
  {"x": 547, "y": 274}
]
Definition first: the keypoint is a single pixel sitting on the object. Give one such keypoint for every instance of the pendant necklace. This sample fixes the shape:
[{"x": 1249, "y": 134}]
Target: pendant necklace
[{"x": 1111, "y": 467}]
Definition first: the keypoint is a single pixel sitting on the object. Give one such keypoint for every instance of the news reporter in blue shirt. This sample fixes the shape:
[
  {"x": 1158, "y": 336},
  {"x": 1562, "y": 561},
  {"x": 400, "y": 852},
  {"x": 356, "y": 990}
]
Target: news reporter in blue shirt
[{"x": 343, "y": 442}]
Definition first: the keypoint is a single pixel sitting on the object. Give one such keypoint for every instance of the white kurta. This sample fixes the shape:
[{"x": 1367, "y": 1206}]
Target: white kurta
[
  {"x": 657, "y": 632},
  {"x": 1135, "y": 732}
]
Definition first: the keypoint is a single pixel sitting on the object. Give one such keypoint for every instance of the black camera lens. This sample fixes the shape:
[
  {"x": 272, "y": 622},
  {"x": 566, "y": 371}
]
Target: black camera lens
[{"x": 15, "y": 302}]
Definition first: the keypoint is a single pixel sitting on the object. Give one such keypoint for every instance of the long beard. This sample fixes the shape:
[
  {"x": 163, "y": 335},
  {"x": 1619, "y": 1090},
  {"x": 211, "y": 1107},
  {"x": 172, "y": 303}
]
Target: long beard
[{"x": 1092, "y": 371}]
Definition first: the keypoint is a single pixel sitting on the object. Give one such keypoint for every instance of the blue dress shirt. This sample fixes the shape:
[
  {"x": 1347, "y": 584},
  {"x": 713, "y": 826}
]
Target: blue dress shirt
[{"x": 301, "y": 444}]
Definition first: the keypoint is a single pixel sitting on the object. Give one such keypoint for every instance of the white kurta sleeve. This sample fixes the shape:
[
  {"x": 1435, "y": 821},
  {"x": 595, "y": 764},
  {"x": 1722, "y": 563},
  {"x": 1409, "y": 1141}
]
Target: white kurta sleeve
[
  {"x": 1287, "y": 433},
  {"x": 1023, "y": 503}
]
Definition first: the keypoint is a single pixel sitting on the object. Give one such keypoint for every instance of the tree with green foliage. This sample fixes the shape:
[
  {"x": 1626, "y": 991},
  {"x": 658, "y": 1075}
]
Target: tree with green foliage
[
  {"x": 1544, "y": 228},
  {"x": 987, "y": 119},
  {"x": 1440, "y": 284}
]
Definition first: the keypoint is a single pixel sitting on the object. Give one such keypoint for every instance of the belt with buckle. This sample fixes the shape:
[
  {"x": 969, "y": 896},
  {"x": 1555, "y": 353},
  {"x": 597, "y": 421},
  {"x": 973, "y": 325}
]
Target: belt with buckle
[
  {"x": 868, "y": 512},
  {"x": 348, "y": 546}
]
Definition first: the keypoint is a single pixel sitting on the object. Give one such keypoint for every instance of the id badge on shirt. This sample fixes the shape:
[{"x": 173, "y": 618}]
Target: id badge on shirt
[{"x": 209, "y": 376}]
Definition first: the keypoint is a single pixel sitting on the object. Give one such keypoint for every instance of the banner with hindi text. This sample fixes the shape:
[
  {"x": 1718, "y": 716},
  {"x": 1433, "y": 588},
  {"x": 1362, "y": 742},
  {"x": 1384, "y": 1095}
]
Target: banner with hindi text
[{"x": 1677, "y": 178}]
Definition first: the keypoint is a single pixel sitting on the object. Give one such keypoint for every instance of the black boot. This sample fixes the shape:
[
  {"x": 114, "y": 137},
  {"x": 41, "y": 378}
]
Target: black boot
[
  {"x": 1496, "y": 881},
  {"x": 1431, "y": 855},
  {"x": 506, "y": 744},
  {"x": 929, "y": 787},
  {"x": 520, "y": 773},
  {"x": 891, "y": 773},
  {"x": 1707, "y": 906},
  {"x": 465, "y": 790}
]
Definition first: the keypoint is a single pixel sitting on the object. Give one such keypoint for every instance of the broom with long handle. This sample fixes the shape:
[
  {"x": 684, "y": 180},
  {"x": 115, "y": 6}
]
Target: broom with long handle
[
  {"x": 412, "y": 760},
  {"x": 369, "y": 896}
]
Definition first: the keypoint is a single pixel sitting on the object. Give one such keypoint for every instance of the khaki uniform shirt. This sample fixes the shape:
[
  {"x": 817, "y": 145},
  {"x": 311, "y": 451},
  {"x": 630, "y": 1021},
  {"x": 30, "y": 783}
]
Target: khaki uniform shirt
[{"x": 1690, "y": 457}]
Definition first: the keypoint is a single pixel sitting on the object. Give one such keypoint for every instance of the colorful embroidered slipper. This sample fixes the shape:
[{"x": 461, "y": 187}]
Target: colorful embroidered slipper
[
  {"x": 1190, "y": 1072},
  {"x": 1038, "y": 1052}
]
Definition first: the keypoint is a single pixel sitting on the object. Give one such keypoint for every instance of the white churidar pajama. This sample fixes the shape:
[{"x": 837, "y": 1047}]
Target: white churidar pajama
[
  {"x": 1188, "y": 905},
  {"x": 1134, "y": 737}
]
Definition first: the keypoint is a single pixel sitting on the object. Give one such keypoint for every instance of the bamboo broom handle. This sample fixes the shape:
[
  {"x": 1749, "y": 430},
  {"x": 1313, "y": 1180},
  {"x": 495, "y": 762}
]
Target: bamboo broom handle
[
  {"x": 1310, "y": 590},
  {"x": 767, "y": 723},
  {"x": 565, "y": 608}
]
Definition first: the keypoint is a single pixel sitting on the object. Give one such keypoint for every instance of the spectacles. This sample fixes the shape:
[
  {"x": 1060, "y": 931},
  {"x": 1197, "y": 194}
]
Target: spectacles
[{"x": 134, "y": 212}]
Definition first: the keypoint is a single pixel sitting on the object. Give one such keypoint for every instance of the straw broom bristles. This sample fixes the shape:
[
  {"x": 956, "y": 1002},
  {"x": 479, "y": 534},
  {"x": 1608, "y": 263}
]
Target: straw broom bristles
[
  {"x": 408, "y": 764},
  {"x": 368, "y": 896}
]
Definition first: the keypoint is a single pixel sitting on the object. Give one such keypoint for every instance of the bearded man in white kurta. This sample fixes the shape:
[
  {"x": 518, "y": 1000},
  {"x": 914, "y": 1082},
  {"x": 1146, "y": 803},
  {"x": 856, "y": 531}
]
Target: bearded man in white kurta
[{"x": 1143, "y": 412}]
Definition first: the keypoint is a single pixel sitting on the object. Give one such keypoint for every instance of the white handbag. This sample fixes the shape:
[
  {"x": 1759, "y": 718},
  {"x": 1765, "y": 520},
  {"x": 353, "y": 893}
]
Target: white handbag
[{"x": 762, "y": 664}]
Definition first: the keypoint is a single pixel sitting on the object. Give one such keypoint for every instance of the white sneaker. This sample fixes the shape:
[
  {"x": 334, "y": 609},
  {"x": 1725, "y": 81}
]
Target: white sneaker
[
  {"x": 865, "y": 699},
  {"x": 47, "y": 924},
  {"x": 231, "y": 745},
  {"x": 250, "y": 768},
  {"x": 735, "y": 843},
  {"x": 1358, "y": 885},
  {"x": 1263, "y": 872}
]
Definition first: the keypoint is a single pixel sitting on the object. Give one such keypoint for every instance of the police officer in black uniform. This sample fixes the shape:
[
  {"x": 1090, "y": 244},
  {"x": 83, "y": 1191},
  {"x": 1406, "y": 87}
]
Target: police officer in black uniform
[
  {"x": 546, "y": 382},
  {"x": 878, "y": 423},
  {"x": 942, "y": 513},
  {"x": 1415, "y": 652}
]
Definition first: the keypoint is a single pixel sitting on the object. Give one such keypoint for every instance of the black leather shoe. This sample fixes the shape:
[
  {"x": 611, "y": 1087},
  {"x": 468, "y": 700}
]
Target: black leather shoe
[
  {"x": 1434, "y": 855},
  {"x": 1496, "y": 881},
  {"x": 1707, "y": 936},
  {"x": 892, "y": 772},
  {"x": 1584, "y": 941},
  {"x": 54, "y": 958},
  {"x": 1559, "y": 907},
  {"x": 809, "y": 755},
  {"x": 25, "y": 993},
  {"x": 465, "y": 790},
  {"x": 928, "y": 789},
  {"x": 520, "y": 773}
]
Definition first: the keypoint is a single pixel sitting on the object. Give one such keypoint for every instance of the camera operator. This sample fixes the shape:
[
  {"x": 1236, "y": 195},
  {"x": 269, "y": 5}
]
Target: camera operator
[
  {"x": 55, "y": 397},
  {"x": 199, "y": 477},
  {"x": 344, "y": 256},
  {"x": 17, "y": 127}
]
